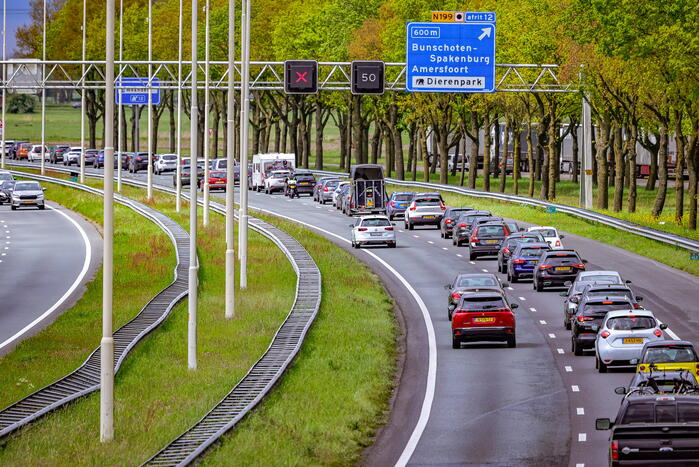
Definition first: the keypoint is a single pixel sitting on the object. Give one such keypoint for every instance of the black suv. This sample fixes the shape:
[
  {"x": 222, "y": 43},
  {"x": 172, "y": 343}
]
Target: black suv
[
  {"x": 589, "y": 318},
  {"x": 305, "y": 183},
  {"x": 446, "y": 225},
  {"x": 486, "y": 239},
  {"x": 462, "y": 226},
  {"x": 557, "y": 267}
]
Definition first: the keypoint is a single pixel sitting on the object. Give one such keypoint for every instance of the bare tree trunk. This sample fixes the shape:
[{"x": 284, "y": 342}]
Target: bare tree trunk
[
  {"x": 473, "y": 158},
  {"x": 173, "y": 128},
  {"x": 631, "y": 151},
  {"x": 602, "y": 144},
  {"x": 412, "y": 152},
  {"x": 692, "y": 166},
  {"x": 487, "y": 123},
  {"x": 376, "y": 142},
  {"x": 662, "y": 171},
  {"x": 423, "y": 149},
  {"x": 553, "y": 162},
  {"x": 680, "y": 142},
  {"x": 516, "y": 155},
  {"x": 653, "y": 174},
  {"x": 619, "y": 168},
  {"x": 398, "y": 153},
  {"x": 530, "y": 158},
  {"x": 506, "y": 146},
  {"x": 576, "y": 150}
]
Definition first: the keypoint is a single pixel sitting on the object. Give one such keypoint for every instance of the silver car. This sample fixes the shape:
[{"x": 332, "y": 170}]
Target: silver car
[
  {"x": 373, "y": 230},
  {"x": 622, "y": 336},
  {"x": 585, "y": 278},
  {"x": 27, "y": 194}
]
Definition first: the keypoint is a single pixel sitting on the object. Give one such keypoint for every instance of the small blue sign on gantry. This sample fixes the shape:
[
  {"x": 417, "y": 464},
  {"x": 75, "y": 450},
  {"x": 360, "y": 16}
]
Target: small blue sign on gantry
[
  {"x": 451, "y": 57},
  {"x": 134, "y": 91}
]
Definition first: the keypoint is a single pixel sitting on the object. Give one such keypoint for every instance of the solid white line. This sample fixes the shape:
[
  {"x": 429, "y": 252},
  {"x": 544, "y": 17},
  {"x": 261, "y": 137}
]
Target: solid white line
[
  {"x": 575, "y": 388},
  {"x": 579, "y": 465},
  {"x": 560, "y": 351},
  {"x": 71, "y": 289},
  {"x": 582, "y": 437},
  {"x": 569, "y": 369},
  {"x": 580, "y": 411},
  {"x": 432, "y": 343}
]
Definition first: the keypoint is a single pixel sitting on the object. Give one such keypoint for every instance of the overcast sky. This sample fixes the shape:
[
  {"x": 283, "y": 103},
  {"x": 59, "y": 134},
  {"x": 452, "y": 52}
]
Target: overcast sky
[{"x": 17, "y": 15}]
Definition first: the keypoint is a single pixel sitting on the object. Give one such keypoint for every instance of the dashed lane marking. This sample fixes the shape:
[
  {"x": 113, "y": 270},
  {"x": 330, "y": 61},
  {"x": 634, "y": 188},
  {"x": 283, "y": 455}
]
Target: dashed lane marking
[
  {"x": 445, "y": 248},
  {"x": 430, "y": 242},
  {"x": 580, "y": 411},
  {"x": 532, "y": 309},
  {"x": 541, "y": 321},
  {"x": 459, "y": 255},
  {"x": 552, "y": 335},
  {"x": 472, "y": 262},
  {"x": 416, "y": 236},
  {"x": 582, "y": 437},
  {"x": 510, "y": 288},
  {"x": 569, "y": 369},
  {"x": 523, "y": 299},
  {"x": 484, "y": 270},
  {"x": 560, "y": 351},
  {"x": 575, "y": 388}
]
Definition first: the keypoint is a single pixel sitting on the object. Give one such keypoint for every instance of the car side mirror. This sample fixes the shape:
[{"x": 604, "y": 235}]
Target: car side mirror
[
  {"x": 628, "y": 282},
  {"x": 561, "y": 237},
  {"x": 639, "y": 298},
  {"x": 603, "y": 424},
  {"x": 633, "y": 361},
  {"x": 505, "y": 284},
  {"x": 663, "y": 326},
  {"x": 584, "y": 261},
  {"x": 595, "y": 327},
  {"x": 447, "y": 287},
  {"x": 574, "y": 300},
  {"x": 621, "y": 390},
  {"x": 567, "y": 283},
  {"x": 393, "y": 224},
  {"x": 351, "y": 226},
  {"x": 514, "y": 305},
  {"x": 43, "y": 189}
]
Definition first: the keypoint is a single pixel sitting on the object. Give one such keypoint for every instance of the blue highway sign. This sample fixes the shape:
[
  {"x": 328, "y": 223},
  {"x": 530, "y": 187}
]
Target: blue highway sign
[
  {"x": 133, "y": 91},
  {"x": 451, "y": 57}
]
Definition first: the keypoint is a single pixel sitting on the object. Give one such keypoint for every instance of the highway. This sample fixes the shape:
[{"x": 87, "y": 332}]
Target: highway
[
  {"x": 46, "y": 257},
  {"x": 532, "y": 405}
]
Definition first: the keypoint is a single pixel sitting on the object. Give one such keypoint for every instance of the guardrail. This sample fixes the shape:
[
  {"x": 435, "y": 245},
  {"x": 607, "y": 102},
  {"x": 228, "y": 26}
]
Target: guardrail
[{"x": 620, "y": 224}]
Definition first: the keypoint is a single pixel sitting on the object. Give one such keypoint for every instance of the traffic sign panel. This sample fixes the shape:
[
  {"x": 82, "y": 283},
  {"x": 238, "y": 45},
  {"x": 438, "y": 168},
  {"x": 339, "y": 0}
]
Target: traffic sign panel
[
  {"x": 367, "y": 77},
  {"x": 134, "y": 91},
  {"x": 450, "y": 57},
  {"x": 301, "y": 76}
]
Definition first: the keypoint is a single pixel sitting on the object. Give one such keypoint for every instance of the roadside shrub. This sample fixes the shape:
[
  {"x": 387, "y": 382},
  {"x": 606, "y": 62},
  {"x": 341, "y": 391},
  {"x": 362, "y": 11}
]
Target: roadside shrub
[{"x": 21, "y": 104}]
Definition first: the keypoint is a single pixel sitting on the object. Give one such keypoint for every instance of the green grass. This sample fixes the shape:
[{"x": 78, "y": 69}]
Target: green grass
[
  {"x": 347, "y": 363},
  {"x": 667, "y": 254}
]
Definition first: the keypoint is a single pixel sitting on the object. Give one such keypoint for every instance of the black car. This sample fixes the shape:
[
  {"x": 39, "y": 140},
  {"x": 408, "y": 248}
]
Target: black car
[
  {"x": 460, "y": 231},
  {"x": 57, "y": 152},
  {"x": 137, "y": 161},
  {"x": 557, "y": 267},
  {"x": 589, "y": 318},
  {"x": 511, "y": 241},
  {"x": 185, "y": 173},
  {"x": 464, "y": 283},
  {"x": 603, "y": 290},
  {"x": 486, "y": 239},
  {"x": 447, "y": 223},
  {"x": 305, "y": 183}
]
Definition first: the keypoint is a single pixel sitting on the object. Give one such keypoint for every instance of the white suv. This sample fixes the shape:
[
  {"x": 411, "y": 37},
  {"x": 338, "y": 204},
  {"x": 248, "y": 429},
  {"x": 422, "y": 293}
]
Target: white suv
[
  {"x": 72, "y": 156},
  {"x": 165, "y": 163},
  {"x": 424, "y": 209},
  {"x": 550, "y": 234},
  {"x": 35, "y": 153}
]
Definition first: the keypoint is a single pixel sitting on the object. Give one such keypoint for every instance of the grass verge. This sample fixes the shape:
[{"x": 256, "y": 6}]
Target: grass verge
[
  {"x": 326, "y": 408},
  {"x": 667, "y": 254}
]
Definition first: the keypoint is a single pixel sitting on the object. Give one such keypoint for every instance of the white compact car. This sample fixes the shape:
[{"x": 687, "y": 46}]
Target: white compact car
[
  {"x": 424, "y": 209},
  {"x": 373, "y": 230},
  {"x": 622, "y": 336},
  {"x": 35, "y": 153},
  {"x": 165, "y": 163},
  {"x": 550, "y": 234},
  {"x": 276, "y": 181},
  {"x": 336, "y": 194},
  {"x": 72, "y": 156}
]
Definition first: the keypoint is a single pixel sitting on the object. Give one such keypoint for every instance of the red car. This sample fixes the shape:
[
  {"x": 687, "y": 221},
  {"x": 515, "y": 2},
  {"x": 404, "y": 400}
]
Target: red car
[
  {"x": 217, "y": 180},
  {"x": 483, "y": 316}
]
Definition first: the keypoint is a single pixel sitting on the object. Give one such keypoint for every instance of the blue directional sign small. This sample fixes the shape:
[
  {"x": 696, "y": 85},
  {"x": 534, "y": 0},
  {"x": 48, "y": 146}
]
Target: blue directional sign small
[
  {"x": 134, "y": 91},
  {"x": 451, "y": 57}
]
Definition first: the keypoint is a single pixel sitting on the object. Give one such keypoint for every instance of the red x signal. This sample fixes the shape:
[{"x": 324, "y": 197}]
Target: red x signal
[{"x": 301, "y": 77}]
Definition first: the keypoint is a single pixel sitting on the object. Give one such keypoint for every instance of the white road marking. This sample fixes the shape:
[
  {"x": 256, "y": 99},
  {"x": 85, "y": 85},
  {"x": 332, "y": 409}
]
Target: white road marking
[
  {"x": 401, "y": 231},
  {"x": 459, "y": 255},
  {"x": 569, "y": 369},
  {"x": 472, "y": 262},
  {"x": 416, "y": 236},
  {"x": 580, "y": 410},
  {"x": 582, "y": 437},
  {"x": 575, "y": 388},
  {"x": 532, "y": 309},
  {"x": 445, "y": 248},
  {"x": 541, "y": 321},
  {"x": 484, "y": 270},
  {"x": 552, "y": 336},
  {"x": 7, "y": 243},
  {"x": 71, "y": 289},
  {"x": 430, "y": 242},
  {"x": 510, "y": 288},
  {"x": 579, "y": 465},
  {"x": 523, "y": 299},
  {"x": 560, "y": 351}
]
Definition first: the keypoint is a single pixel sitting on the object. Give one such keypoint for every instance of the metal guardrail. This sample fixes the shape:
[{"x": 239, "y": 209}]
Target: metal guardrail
[
  {"x": 86, "y": 378},
  {"x": 269, "y": 369},
  {"x": 620, "y": 224}
]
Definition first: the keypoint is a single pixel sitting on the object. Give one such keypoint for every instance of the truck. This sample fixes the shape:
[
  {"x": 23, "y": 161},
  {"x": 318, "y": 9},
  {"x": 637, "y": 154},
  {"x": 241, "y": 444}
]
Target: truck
[
  {"x": 367, "y": 190},
  {"x": 263, "y": 164},
  {"x": 654, "y": 429}
]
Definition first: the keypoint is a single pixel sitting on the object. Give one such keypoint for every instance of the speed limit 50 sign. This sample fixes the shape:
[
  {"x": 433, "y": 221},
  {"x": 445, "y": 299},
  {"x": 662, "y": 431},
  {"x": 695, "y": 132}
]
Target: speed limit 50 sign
[{"x": 367, "y": 77}]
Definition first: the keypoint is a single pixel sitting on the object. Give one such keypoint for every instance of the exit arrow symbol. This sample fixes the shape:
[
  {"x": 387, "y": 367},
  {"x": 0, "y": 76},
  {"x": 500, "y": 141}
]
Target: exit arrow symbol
[{"x": 486, "y": 33}]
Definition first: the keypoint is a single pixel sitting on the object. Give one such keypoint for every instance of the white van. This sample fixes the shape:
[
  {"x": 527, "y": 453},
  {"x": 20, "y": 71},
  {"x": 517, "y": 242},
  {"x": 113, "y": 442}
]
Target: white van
[{"x": 263, "y": 164}]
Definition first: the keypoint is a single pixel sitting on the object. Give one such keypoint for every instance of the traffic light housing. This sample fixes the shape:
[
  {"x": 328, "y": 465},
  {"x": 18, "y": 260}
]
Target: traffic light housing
[
  {"x": 301, "y": 76},
  {"x": 367, "y": 77}
]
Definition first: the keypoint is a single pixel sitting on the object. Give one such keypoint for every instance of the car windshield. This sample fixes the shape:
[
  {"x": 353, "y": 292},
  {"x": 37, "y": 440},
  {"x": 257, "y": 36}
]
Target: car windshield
[
  {"x": 375, "y": 223},
  {"x": 491, "y": 230},
  {"x": 427, "y": 202},
  {"x": 475, "y": 282},
  {"x": 670, "y": 354},
  {"x": 402, "y": 197},
  {"x": 535, "y": 251},
  {"x": 482, "y": 303},
  {"x": 331, "y": 183},
  {"x": 26, "y": 186},
  {"x": 563, "y": 260},
  {"x": 630, "y": 323}
]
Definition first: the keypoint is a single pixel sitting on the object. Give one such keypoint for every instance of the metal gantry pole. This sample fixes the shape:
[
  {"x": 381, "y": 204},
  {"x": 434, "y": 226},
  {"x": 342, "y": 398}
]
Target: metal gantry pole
[
  {"x": 82, "y": 100},
  {"x": 230, "y": 169},
  {"x": 120, "y": 108},
  {"x": 178, "y": 170},
  {"x": 4, "y": 77},
  {"x": 107, "y": 344},
  {"x": 207, "y": 136},
  {"x": 193, "y": 266},
  {"x": 586, "y": 169},
  {"x": 150, "y": 101},
  {"x": 244, "y": 119},
  {"x": 43, "y": 94}
]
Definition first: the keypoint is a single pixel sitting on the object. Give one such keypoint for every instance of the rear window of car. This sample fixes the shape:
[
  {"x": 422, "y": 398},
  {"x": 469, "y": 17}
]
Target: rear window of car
[
  {"x": 538, "y": 251},
  {"x": 457, "y": 212},
  {"x": 639, "y": 413},
  {"x": 375, "y": 223},
  {"x": 427, "y": 202},
  {"x": 630, "y": 323},
  {"x": 218, "y": 174},
  {"x": 476, "y": 282},
  {"x": 566, "y": 260},
  {"x": 308, "y": 178},
  {"x": 598, "y": 308},
  {"x": 171, "y": 157},
  {"x": 687, "y": 412},
  {"x": 604, "y": 293},
  {"x": 491, "y": 230},
  {"x": 599, "y": 278},
  {"x": 331, "y": 183},
  {"x": 482, "y": 303},
  {"x": 547, "y": 232},
  {"x": 670, "y": 354}
]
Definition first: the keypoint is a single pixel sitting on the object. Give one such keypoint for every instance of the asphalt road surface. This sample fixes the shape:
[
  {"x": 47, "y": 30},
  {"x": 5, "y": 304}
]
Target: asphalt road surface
[
  {"x": 47, "y": 258},
  {"x": 532, "y": 405}
]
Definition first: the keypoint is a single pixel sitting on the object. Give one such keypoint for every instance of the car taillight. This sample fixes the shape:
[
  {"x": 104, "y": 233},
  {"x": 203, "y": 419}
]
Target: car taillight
[
  {"x": 462, "y": 225},
  {"x": 448, "y": 221},
  {"x": 474, "y": 239},
  {"x": 518, "y": 261},
  {"x": 413, "y": 207},
  {"x": 362, "y": 229},
  {"x": 642, "y": 368},
  {"x": 352, "y": 205},
  {"x": 442, "y": 206},
  {"x": 325, "y": 189},
  {"x": 505, "y": 251},
  {"x": 615, "y": 450},
  {"x": 456, "y": 295},
  {"x": 389, "y": 228},
  {"x": 558, "y": 243},
  {"x": 636, "y": 306},
  {"x": 545, "y": 266},
  {"x": 658, "y": 332},
  {"x": 393, "y": 204},
  {"x": 584, "y": 318},
  {"x": 581, "y": 266},
  {"x": 604, "y": 334}
]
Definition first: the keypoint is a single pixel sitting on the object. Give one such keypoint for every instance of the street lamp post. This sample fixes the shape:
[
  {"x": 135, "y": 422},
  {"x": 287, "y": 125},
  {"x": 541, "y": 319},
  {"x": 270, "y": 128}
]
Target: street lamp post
[
  {"x": 207, "y": 135},
  {"x": 150, "y": 101},
  {"x": 82, "y": 100},
  {"x": 193, "y": 267},
  {"x": 43, "y": 94},
  {"x": 120, "y": 108},
  {"x": 178, "y": 170},
  {"x": 244, "y": 119},
  {"x": 230, "y": 172},
  {"x": 4, "y": 76},
  {"x": 107, "y": 344}
]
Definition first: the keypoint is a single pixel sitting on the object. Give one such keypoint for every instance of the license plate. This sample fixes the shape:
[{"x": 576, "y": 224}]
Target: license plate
[
  {"x": 491, "y": 241},
  {"x": 533, "y": 261},
  {"x": 632, "y": 340},
  {"x": 483, "y": 320},
  {"x": 376, "y": 234},
  {"x": 563, "y": 268},
  {"x": 428, "y": 217},
  {"x": 304, "y": 183},
  {"x": 28, "y": 202},
  {"x": 220, "y": 182}
]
